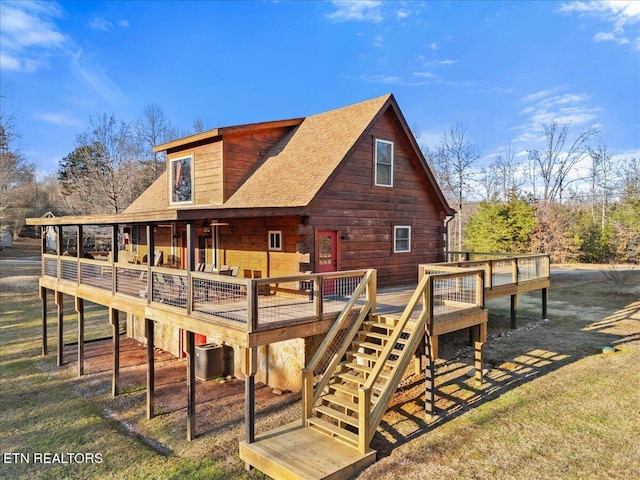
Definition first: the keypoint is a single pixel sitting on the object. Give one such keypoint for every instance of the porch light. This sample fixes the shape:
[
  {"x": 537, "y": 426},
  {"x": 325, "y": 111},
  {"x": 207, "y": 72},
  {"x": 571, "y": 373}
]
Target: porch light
[{"x": 206, "y": 228}]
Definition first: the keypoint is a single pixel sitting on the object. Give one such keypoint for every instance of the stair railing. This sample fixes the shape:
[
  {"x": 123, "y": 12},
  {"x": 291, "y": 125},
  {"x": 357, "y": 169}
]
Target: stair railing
[
  {"x": 369, "y": 419},
  {"x": 309, "y": 394}
]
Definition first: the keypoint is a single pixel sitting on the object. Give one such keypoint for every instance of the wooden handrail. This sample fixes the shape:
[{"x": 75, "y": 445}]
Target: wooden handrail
[
  {"x": 309, "y": 394},
  {"x": 381, "y": 403}
]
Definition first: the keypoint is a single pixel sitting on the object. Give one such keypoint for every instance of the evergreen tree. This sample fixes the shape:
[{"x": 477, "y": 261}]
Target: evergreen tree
[{"x": 501, "y": 227}]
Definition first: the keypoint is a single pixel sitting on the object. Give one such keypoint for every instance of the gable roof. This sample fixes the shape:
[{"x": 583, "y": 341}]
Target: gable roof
[{"x": 297, "y": 167}]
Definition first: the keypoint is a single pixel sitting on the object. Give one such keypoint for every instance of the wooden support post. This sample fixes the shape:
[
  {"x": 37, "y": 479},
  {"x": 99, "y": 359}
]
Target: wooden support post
[
  {"x": 429, "y": 379},
  {"x": 60, "y": 339},
  {"x": 191, "y": 386},
  {"x": 150, "y": 257},
  {"x": 417, "y": 365},
  {"x": 480, "y": 337},
  {"x": 513, "y": 311},
  {"x": 80, "y": 310},
  {"x": 544, "y": 302},
  {"x": 114, "y": 319},
  {"x": 43, "y": 296},
  {"x": 149, "y": 334},
  {"x": 249, "y": 368}
]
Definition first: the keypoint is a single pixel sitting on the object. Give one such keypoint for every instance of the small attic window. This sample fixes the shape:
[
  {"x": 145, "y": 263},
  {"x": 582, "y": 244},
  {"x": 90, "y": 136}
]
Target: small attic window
[
  {"x": 181, "y": 173},
  {"x": 384, "y": 163}
]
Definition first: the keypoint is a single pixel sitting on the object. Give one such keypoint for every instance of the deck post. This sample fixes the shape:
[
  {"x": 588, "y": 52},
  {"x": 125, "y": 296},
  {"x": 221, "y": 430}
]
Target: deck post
[
  {"x": 114, "y": 319},
  {"x": 429, "y": 379},
  {"x": 150, "y": 257},
  {"x": 191, "y": 386},
  {"x": 149, "y": 334},
  {"x": 480, "y": 337},
  {"x": 60, "y": 339},
  {"x": 80, "y": 310},
  {"x": 513, "y": 311},
  {"x": 249, "y": 368},
  {"x": 417, "y": 366},
  {"x": 43, "y": 296},
  {"x": 544, "y": 303}
]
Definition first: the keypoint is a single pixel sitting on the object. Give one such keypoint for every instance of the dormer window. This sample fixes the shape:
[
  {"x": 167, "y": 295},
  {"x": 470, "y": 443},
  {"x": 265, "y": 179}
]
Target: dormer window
[
  {"x": 383, "y": 163},
  {"x": 181, "y": 173}
]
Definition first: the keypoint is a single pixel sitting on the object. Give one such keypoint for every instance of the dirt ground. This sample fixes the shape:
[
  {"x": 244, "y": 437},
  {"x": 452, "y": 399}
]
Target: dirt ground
[{"x": 512, "y": 357}]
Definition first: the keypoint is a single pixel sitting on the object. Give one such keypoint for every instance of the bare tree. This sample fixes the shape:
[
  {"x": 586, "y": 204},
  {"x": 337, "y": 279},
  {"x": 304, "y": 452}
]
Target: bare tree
[
  {"x": 151, "y": 130},
  {"x": 454, "y": 161},
  {"x": 16, "y": 177},
  {"x": 508, "y": 173},
  {"x": 102, "y": 175},
  {"x": 553, "y": 165},
  {"x": 602, "y": 173},
  {"x": 552, "y": 169}
]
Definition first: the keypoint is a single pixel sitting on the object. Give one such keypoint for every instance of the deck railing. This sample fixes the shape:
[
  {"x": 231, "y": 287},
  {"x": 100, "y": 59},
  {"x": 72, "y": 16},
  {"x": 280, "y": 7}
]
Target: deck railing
[
  {"x": 453, "y": 289},
  {"x": 507, "y": 270},
  {"x": 259, "y": 304}
]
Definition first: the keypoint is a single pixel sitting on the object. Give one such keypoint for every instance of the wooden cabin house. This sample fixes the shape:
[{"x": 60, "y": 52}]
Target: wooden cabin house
[{"x": 341, "y": 190}]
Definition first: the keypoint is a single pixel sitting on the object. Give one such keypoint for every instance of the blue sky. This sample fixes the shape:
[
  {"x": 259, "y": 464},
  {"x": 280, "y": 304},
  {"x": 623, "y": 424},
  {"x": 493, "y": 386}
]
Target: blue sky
[{"x": 501, "y": 68}]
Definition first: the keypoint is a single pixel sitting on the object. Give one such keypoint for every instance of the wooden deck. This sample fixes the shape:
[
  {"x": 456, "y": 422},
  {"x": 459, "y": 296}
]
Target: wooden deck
[{"x": 295, "y": 452}]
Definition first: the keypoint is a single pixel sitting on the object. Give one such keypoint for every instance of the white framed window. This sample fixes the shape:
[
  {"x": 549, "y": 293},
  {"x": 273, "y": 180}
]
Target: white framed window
[
  {"x": 401, "y": 239},
  {"x": 181, "y": 180},
  {"x": 275, "y": 240},
  {"x": 383, "y": 163}
]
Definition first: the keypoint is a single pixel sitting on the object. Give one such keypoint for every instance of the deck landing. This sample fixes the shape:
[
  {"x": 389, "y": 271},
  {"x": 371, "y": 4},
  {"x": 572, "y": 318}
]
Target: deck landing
[{"x": 295, "y": 452}]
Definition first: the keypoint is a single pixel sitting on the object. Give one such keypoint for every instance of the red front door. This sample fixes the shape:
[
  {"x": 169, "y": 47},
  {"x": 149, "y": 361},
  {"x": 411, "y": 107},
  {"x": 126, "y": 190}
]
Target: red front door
[{"x": 327, "y": 257}]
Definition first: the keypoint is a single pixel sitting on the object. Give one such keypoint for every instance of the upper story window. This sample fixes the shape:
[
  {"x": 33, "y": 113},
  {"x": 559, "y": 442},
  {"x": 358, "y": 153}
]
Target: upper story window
[
  {"x": 384, "y": 163},
  {"x": 181, "y": 178},
  {"x": 275, "y": 240},
  {"x": 401, "y": 239}
]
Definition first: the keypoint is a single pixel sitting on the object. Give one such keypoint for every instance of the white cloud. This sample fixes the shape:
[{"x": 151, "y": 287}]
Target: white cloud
[
  {"x": 123, "y": 23},
  {"x": 553, "y": 104},
  {"x": 433, "y": 46},
  {"x": 425, "y": 74},
  {"x": 100, "y": 23},
  {"x": 356, "y": 10},
  {"x": 62, "y": 119},
  {"x": 29, "y": 35},
  {"x": 446, "y": 61},
  {"x": 620, "y": 16},
  {"x": 96, "y": 76},
  {"x": 402, "y": 14}
]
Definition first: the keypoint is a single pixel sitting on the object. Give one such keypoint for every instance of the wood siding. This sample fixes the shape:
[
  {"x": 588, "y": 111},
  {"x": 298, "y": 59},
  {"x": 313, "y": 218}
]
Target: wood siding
[
  {"x": 243, "y": 152},
  {"x": 351, "y": 204},
  {"x": 244, "y": 243}
]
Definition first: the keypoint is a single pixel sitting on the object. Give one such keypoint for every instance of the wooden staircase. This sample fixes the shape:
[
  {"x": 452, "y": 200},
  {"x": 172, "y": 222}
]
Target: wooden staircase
[
  {"x": 337, "y": 410},
  {"x": 347, "y": 387}
]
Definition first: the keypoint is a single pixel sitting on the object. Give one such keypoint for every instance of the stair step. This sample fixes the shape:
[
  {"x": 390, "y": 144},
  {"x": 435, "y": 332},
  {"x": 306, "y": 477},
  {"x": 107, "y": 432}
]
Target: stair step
[
  {"x": 365, "y": 369},
  {"x": 376, "y": 335},
  {"x": 342, "y": 388},
  {"x": 368, "y": 357},
  {"x": 369, "y": 345},
  {"x": 377, "y": 324},
  {"x": 377, "y": 347},
  {"x": 363, "y": 356},
  {"x": 346, "y": 436},
  {"x": 348, "y": 377},
  {"x": 340, "y": 401},
  {"x": 333, "y": 413}
]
